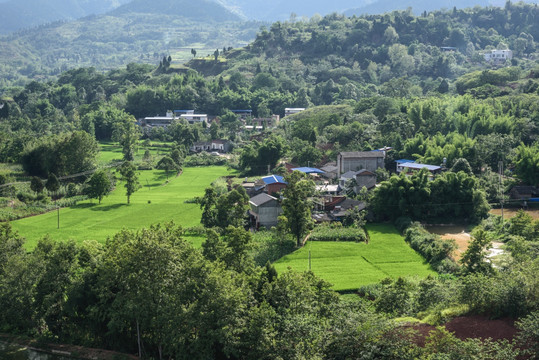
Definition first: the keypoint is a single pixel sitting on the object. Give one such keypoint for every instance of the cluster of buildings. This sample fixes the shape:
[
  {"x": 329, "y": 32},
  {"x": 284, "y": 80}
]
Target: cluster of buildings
[
  {"x": 244, "y": 115},
  {"x": 218, "y": 145},
  {"x": 332, "y": 184}
]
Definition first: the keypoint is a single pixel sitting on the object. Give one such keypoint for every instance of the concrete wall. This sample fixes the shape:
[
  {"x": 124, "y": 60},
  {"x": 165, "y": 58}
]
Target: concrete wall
[
  {"x": 267, "y": 215},
  {"x": 355, "y": 164}
]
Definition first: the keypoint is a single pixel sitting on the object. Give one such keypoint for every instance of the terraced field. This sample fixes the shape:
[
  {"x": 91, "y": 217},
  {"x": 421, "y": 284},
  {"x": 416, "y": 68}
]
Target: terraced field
[
  {"x": 156, "y": 202},
  {"x": 349, "y": 265}
]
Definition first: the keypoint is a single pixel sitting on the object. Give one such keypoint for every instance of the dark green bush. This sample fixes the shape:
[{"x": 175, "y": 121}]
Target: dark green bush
[
  {"x": 327, "y": 233},
  {"x": 433, "y": 248}
]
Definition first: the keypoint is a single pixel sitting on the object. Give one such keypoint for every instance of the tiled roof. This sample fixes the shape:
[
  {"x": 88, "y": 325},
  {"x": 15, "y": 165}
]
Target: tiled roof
[
  {"x": 362, "y": 154},
  {"x": 261, "y": 199}
]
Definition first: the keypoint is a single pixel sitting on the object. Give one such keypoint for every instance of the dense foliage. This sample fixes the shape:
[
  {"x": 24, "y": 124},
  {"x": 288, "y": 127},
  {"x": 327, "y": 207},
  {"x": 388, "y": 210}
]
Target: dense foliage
[
  {"x": 150, "y": 292},
  {"x": 326, "y": 233}
]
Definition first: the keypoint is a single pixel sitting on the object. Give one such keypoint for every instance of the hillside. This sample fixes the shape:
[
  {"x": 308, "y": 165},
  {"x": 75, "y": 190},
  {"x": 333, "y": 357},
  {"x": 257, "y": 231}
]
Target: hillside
[
  {"x": 19, "y": 14},
  {"x": 335, "y": 52},
  {"x": 116, "y": 39},
  {"x": 419, "y": 6},
  {"x": 282, "y": 10},
  {"x": 201, "y": 10}
]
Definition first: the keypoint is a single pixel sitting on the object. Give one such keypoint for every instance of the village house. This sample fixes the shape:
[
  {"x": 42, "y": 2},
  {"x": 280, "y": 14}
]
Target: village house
[
  {"x": 327, "y": 189},
  {"x": 524, "y": 193},
  {"x": 268, "y": 123},
  {"x": 195, "y": 118},
  {"x": 265, "y": 209},
  {"x": 363, "y": 178},
  {"x": 271, "y": 184},
  {"x": 243, "y": 114},
  {"x": 498, "y": 56},
  {"x": 330, "y": 170},
  {"x": 291, "y": 111},
  {"x": 222, "y": 146},
  {"x": 357, "y": 160},
  {"x": 411, "y": 166},
  {"x": 158, "y": 121},
  {"x": 335, "y": 208}
]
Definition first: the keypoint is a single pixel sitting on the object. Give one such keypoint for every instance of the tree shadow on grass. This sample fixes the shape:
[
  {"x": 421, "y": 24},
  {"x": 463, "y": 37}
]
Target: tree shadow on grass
[
  {"x": 83, "y": 205},
  {"x": 162, "y": 177},
  {"x": 108, "y": 207}
]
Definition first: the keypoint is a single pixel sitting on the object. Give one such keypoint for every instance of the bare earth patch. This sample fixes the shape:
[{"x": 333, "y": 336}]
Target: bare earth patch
[
  {"x": 509, "y": 213},
  {"x": 473, "y": 326},
  {"x": 455, "y": 232}
]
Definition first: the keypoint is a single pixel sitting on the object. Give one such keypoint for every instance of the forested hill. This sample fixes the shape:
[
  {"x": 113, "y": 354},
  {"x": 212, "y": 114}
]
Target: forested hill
[
  {"x": 142, "y": 32},
  {"x": 419, "y": 6},
  {"x": 204, "y": 10},
  {"x": 375, "y": 49},
  {"x": 18, "y": 14}
]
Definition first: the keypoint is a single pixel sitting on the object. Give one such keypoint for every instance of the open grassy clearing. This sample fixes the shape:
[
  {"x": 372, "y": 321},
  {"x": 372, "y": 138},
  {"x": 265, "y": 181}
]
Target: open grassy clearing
[
  {"x": 89, "y": 220},
  {"x": 349, "y": 265}
]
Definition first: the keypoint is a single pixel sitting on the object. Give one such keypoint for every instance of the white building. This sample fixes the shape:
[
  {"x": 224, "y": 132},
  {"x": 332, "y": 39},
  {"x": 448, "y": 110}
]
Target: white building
[
  {"x": 498, "y": 56},
  {"x": 195, "y": 118},
  {"x": 290, "y": 111}
]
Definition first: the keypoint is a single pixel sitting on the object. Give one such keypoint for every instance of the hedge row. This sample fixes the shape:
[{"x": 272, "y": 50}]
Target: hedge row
[
  {"x": 432, "y": 247},
  {"x": 326, "y": 233}
]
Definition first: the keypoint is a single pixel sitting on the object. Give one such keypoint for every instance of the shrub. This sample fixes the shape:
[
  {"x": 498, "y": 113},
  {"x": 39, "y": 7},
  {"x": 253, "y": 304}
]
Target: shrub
[
  {"x": 401, "y": 223},
  {"x": 205, "y": 159},
  {"x": 268, "y": 245},
  {"x": 326, "y": 233},
  {"x": 432, "y": 247}
]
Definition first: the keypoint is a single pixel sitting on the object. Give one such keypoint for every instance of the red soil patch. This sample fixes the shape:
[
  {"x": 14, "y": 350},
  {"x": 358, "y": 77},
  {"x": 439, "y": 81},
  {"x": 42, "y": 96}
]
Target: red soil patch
[
  {"x": 477, "y": 326},
  {"x": 75, "y": 351},
  {"x": 474, "y": 326}
]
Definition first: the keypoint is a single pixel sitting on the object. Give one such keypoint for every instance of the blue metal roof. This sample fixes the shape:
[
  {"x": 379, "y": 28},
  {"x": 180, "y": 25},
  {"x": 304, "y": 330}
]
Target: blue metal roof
[
  {"x": 235, "y": 111},
  {"x": 416, "y": 166},
  {"x": 273, "y": 179},
  {"x": 401, "y": 161},
  {"x": 308, "y": 170}
]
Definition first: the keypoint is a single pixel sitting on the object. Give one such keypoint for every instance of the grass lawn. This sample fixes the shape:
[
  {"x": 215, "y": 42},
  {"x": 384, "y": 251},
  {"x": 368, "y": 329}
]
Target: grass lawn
[
  {"x": 90, "y": 220},
  {"x": 112, "y": 151},
  {"x": 349, "y": 265}
]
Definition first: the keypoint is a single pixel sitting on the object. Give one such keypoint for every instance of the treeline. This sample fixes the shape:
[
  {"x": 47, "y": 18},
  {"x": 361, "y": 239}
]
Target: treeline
[{"x": 150, "y": 292}]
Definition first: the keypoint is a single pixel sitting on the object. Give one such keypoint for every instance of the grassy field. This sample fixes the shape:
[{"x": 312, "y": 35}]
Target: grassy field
[
  {"x": 349, "y": 265},
  {"x": 90, "y": 220},
  {"x": 112, "y": 151}
]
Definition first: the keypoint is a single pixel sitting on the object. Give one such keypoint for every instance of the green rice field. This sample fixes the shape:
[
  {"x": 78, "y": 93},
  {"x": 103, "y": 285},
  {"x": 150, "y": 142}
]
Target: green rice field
[
  {"x": 156, "y": 202},
  {"x": 112, "y": 151},
  {"x": 349, "y": 265}
]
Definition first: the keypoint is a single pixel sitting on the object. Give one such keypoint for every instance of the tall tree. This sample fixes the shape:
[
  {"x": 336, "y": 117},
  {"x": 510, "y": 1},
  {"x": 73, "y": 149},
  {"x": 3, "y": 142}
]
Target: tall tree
[
  {"x": 36, "y": 185},
  {"x": 99, "y": 185},
  {"x": 127, "y": 133},
  {"x": 297, "y": 206},
  {"x": 52, "y": 184},
  {"x": 129, "y": 174},
  {"x": 474, "y": 258},
  {"x": 166, "y": 163}
]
